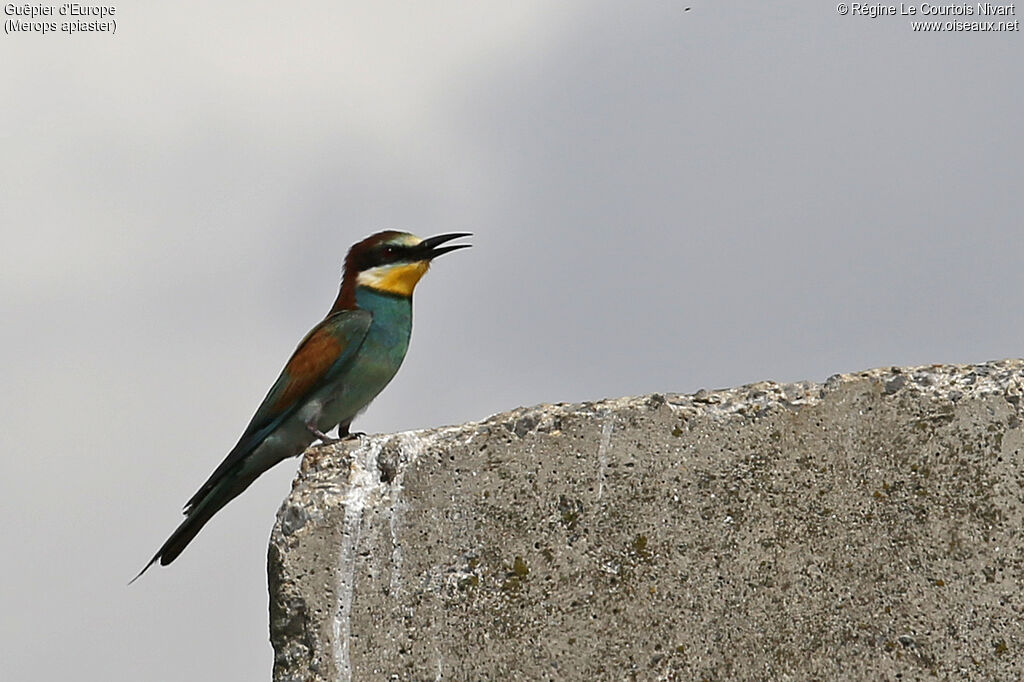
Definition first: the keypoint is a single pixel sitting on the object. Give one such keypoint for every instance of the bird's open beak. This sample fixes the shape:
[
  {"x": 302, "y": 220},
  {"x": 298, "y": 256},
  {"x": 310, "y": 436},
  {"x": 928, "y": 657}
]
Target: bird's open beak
[{"x": 430, "y": 246}]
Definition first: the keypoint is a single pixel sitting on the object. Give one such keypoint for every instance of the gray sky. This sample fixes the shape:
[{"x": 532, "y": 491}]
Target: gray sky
[{"x": 663, "y": 200}]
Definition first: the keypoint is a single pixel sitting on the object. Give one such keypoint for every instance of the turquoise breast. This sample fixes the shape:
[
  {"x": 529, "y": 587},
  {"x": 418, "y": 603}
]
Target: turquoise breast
[{"x": 376, "y": 362}]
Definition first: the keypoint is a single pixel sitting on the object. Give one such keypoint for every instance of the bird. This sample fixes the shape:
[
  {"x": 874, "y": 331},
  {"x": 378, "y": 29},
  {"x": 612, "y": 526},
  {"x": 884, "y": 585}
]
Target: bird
[{"x": 338, "y": 368}]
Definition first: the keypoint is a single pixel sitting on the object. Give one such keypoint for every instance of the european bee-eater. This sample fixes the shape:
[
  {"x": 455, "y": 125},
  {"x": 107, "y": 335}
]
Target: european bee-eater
[{"x": 338, "y": 368}]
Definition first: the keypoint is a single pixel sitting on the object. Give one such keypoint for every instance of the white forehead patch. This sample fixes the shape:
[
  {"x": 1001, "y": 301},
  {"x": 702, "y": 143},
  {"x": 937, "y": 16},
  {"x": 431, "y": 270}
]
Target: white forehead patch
[{"x": 405, "y": 240}]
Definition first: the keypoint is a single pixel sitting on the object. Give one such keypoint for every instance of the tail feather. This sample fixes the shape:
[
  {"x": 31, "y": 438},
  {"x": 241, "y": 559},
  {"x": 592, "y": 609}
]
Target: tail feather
[{"x": 197, "y": 515}]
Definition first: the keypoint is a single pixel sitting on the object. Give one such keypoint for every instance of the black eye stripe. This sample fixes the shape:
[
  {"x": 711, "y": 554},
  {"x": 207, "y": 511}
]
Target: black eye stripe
[{"x": 387, "y": 253}]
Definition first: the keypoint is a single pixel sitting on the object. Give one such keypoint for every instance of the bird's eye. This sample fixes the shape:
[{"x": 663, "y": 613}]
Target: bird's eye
[{"x": 389, "y": 250}]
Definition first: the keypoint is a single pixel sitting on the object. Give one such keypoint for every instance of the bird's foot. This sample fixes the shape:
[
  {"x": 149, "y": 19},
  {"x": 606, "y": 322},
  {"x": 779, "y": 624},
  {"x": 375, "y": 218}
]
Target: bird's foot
[
  {"x": 353, "y": 435},
  {"x": 321, "y": 436}
]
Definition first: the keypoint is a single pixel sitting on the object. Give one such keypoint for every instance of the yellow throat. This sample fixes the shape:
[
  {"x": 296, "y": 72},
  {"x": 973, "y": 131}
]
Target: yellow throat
[{"x": 397, "y": 278}]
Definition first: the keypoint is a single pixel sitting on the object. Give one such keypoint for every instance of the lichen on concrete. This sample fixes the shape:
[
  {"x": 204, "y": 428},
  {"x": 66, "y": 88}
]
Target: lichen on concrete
[{"x": 865, "y": 528}]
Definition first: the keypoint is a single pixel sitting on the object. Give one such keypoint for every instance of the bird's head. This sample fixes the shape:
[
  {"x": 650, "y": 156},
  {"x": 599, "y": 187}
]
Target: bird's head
[{"x": 392, "y": 262}]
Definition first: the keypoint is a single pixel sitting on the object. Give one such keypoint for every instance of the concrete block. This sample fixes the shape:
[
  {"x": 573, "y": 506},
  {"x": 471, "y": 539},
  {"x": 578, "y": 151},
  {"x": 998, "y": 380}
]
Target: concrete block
[{"x": 867, "y": 528}]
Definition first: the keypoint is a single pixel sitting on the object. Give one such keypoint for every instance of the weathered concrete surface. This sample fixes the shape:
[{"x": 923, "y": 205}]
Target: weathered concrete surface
[{"x": 864, "y": 529}]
